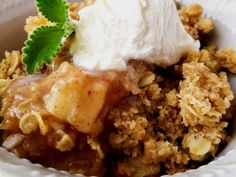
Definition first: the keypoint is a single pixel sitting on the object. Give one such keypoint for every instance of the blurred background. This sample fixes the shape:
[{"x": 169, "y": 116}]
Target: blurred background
[{"x": 12, "y": 20}]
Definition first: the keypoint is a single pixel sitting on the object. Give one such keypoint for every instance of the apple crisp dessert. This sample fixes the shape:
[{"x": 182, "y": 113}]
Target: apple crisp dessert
[{"x": 144, "y": 121}]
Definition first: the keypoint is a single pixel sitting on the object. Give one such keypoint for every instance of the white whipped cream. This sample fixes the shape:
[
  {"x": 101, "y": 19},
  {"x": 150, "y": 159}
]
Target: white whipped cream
[{"x": 111, "y": 32}]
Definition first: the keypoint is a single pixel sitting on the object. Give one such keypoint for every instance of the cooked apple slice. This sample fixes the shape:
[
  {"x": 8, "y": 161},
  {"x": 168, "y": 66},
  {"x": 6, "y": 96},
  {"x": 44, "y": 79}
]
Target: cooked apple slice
[{"x": 77, "y": 98}]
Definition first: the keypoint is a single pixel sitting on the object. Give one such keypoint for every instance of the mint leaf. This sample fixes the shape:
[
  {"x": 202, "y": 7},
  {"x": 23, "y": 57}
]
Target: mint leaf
[
  {"x": 53, "y": 10},
  {"x": 69, "y": 28},
  {"x": 43, "y": 44}
]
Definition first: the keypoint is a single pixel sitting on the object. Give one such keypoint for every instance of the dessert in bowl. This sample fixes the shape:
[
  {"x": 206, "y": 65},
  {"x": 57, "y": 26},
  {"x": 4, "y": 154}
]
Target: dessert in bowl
[{"x": 151, "y": 104}]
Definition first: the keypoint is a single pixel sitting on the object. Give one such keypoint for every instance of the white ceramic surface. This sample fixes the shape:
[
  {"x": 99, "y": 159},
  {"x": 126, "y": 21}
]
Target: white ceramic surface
[{"x": 12, "y": 17}]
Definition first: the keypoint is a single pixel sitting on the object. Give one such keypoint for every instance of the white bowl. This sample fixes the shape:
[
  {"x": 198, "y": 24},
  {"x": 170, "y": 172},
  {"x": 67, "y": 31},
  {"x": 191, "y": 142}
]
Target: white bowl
[{"x": 12, "y": 36}]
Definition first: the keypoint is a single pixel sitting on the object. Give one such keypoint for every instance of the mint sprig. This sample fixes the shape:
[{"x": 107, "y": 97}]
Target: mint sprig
[{"x": 46, "y": 41}]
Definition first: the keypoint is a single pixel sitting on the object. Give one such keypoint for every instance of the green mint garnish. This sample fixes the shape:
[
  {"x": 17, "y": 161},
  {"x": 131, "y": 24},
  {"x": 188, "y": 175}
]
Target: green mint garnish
[
  {"x": 46, "y": 41},
  {"x": 53, "y": 10},
  {"x": 42, "y": 45}
]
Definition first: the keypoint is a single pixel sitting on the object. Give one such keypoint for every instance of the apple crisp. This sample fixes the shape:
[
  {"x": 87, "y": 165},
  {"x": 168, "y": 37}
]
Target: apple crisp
[{"x": 146, "y": 121}]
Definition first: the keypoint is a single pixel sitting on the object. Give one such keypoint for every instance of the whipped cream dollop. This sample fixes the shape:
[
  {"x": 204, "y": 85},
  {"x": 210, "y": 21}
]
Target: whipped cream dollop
[{"x": 111, "y": 32}]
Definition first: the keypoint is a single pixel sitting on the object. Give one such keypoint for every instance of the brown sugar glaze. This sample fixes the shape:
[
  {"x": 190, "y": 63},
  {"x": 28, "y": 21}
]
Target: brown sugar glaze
[{"x": 34, "y": 91}]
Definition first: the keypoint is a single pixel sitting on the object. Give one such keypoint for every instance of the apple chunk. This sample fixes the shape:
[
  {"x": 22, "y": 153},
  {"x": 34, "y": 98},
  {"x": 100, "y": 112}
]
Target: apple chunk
[{"x": 77, "y": 98}]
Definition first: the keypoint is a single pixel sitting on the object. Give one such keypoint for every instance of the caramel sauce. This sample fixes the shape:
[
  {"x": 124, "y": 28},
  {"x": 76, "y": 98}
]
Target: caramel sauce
[{"x": 70, "y": 95}]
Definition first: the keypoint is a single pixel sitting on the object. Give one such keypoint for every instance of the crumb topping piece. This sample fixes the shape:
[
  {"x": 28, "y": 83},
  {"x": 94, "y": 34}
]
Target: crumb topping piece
[
  {"x": 194, "y": 23},
  {"x": 204, "y": 96}
]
